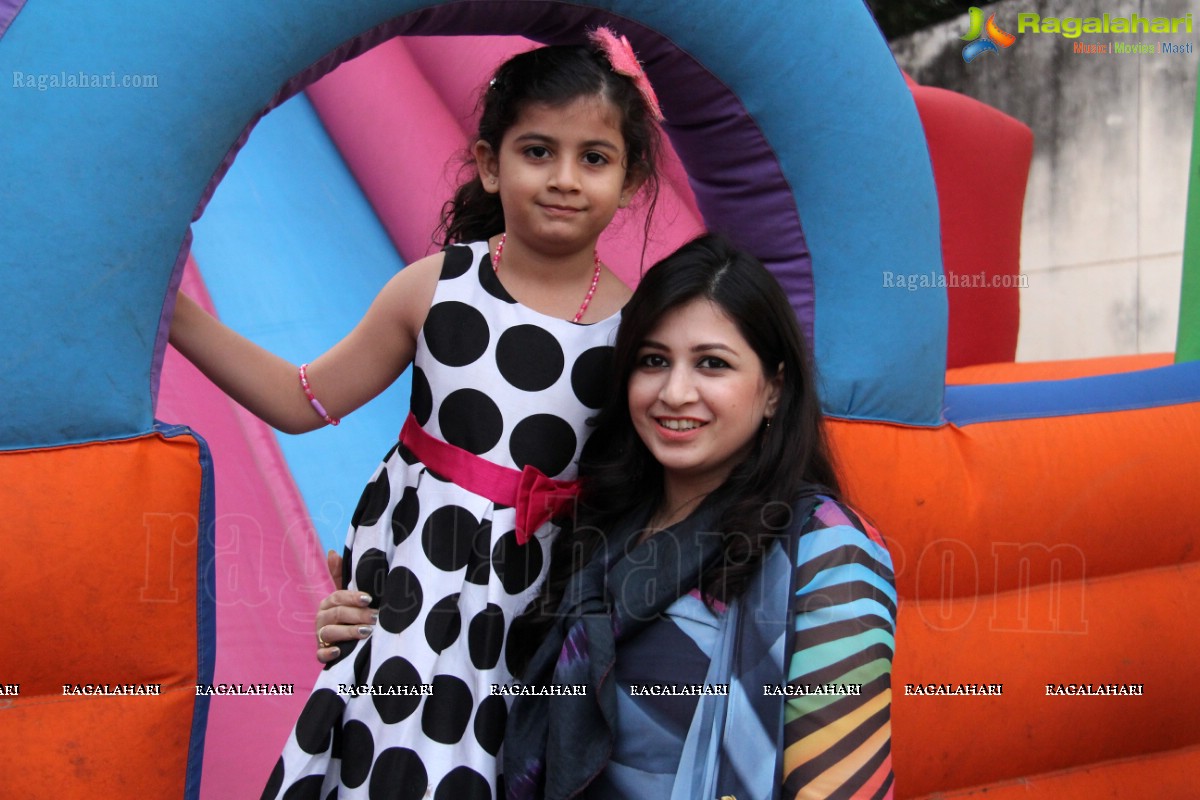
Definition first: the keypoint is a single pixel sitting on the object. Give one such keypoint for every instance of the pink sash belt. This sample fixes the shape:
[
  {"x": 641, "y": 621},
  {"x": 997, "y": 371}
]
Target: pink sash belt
[{"x": 535, "y": 497}]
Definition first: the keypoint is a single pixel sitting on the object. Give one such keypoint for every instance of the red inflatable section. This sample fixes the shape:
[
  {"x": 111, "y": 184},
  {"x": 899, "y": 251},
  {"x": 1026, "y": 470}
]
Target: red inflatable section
[{"x": 980, "y": 160}]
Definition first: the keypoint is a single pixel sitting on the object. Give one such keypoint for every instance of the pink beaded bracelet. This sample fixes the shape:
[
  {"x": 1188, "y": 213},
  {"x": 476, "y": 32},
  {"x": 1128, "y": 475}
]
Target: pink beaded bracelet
[{"x": 316, "y": 404}]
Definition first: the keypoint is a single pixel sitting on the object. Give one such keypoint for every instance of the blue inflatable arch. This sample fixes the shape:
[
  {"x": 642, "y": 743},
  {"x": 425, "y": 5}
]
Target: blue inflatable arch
[{"x": 795, "y": 114}]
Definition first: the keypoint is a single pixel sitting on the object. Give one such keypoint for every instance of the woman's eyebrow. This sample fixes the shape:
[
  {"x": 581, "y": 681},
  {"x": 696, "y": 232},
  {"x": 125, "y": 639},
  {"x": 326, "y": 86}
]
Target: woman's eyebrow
[
  {"x": 698, "y": 348},
  {"x": 703, "y": 348}
]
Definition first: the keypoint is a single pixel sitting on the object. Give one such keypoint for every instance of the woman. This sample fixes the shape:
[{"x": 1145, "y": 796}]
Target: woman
[{"x": 716, "y": 623}]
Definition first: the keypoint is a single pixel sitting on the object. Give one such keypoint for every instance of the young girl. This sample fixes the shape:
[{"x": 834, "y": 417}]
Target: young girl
[
  {"x": 508, "y": 334},
  {"x": 710, "y": 552}
]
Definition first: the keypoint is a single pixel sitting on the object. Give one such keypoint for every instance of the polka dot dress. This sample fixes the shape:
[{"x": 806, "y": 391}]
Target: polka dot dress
[{"x": 514, "y": 387}]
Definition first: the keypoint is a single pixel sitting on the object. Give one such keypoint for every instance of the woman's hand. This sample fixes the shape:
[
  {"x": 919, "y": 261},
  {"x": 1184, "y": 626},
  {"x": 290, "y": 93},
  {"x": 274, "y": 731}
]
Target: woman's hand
[{"x": 343, "y": 616}]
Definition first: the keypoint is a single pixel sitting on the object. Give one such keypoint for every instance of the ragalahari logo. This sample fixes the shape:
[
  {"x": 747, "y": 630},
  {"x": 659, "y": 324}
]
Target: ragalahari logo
[{"x": 984, "y": 37}]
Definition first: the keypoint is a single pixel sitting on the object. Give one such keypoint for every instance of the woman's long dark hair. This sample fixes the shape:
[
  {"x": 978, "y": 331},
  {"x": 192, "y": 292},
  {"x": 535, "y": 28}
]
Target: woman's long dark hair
[
  {"x": 619, "y": 474},
  {"x": 553, "y": 76}
]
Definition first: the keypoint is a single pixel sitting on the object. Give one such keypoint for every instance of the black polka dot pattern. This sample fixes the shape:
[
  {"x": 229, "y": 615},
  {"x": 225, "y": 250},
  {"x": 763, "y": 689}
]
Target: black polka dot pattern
[
  {"x": 455, "y": 333},
  {"x": 517, "y": 565},
  {"x": 347, "y": 565},
  {"x": 335, "y": 747},
  {"x": 371, "y": 574},
  {"x": 396, "y": 671},
  {"x": 358, "y": 751},
  {"x": 402, "y": 598},
  {"x": 545, "y": 441},
  {"x": 447, "y": 537},
  {"x": 479, "y": 564},
  {"x": 529, "y": 358},
  {"x": 455, "y": 263},
  {"x": 373, "y": 501},
  {"x": 447, "y": 709},
  {"x": 463, "y": 783},
  {"x": 306, "y": 789},
  {"x": 489, "y": 723},
  {"x": 398, "y": 775},
  {"x": 491, "y": 283},
  {"x": 471, "y": 420},
  {"x": 405, "y": 515},
  {"x": 316, "y": 720},
  {"x": 443, "y": 624},
  {"x": 590, "y": 377},
  {"x": 485, "y": 636},
  {"x": 518, "y": 648},
  {"x": 406, "y": 455},
  {"x": 275, "y": 781},
  {"x": 420, "y": 401},
  {"x": 511, "y": 386}
]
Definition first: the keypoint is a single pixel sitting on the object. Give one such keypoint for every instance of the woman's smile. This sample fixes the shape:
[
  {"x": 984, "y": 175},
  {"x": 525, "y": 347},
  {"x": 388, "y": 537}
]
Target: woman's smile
[{"x": 679, "y": 425}]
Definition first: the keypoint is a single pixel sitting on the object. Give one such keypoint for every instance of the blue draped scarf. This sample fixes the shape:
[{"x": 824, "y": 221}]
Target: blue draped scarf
[{"x": 557, "y": 745}]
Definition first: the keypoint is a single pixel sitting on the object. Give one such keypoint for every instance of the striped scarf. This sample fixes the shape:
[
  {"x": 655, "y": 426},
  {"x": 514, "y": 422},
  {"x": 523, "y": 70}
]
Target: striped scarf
[{"x": 556, "y": 746}]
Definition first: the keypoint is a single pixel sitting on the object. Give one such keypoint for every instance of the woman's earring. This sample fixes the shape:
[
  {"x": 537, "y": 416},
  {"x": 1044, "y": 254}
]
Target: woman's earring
[{"x": 768, "y": 419}]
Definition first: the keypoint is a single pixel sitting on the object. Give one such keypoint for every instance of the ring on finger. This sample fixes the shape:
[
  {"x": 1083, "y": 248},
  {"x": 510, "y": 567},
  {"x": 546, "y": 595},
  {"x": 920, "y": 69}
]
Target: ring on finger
[{"x": 321, "y": 639}]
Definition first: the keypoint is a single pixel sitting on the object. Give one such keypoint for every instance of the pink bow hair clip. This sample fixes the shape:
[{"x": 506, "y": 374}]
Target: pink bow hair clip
[{"x": 624, "y": 62}]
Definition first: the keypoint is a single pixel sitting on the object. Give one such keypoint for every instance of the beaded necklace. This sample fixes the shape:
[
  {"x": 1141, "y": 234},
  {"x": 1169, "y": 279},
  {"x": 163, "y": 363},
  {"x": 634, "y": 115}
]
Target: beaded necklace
[{"x": 587, "y": 300}]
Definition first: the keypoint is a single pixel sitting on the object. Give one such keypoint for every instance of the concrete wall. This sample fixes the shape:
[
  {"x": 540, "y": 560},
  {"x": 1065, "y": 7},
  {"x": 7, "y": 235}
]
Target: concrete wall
[{"x": 1102, "y": 238}]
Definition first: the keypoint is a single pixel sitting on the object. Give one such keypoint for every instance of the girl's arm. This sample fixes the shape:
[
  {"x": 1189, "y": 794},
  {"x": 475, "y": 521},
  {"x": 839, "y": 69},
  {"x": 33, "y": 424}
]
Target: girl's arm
[
  {"x": 352, "y": 372},
  {"x": 840, "y": 744}
]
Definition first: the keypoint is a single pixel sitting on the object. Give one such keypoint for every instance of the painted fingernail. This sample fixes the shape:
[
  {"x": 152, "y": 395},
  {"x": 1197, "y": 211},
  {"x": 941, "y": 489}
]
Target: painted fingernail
[
  {"x": 375, "y": 617},
  {"x": 364, "y": 630},
  {"x": 364, "y": 599}
]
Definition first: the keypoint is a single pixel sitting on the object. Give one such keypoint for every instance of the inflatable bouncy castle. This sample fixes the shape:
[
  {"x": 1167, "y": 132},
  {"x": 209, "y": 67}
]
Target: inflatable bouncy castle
[{"x": 158, "y": 538}]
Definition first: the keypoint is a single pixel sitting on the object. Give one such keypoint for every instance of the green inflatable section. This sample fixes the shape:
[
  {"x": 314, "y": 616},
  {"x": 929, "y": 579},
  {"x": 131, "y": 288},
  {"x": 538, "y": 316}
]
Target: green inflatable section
[{"x": 1187, "y": 347}]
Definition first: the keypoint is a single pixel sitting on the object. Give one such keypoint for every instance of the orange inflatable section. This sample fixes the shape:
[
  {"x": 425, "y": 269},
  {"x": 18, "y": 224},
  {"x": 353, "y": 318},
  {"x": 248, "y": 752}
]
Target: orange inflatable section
[
  {"x": 1172, "y": 775},
  {"x": 1130, "y": 633},
  {"x": 1052, "y": 551},
  {"x": 111, "y": 548},
  {"x": 1056, "y": 370},
  {"x": 974, "y": 510}
]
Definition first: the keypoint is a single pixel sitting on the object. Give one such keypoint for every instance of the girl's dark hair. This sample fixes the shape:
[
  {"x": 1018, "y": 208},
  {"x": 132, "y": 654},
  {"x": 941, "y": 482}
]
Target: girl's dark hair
[
  {"x": 619, "y": 474},
  {"x": 554, "y": 76}
]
